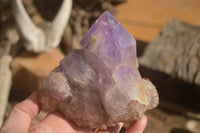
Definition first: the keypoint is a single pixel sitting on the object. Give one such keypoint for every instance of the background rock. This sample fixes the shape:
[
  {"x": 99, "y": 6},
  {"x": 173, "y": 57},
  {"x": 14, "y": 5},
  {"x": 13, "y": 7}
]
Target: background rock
[{"x": 172, "y": 62}]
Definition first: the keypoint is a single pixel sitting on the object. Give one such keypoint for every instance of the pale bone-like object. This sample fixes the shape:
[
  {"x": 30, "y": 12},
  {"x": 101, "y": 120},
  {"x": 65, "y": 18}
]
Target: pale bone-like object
[{"x": 36, "y": 38}]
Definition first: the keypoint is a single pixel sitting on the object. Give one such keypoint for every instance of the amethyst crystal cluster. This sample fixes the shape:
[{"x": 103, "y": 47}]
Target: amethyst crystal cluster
[{"x": 100, "y": 85}]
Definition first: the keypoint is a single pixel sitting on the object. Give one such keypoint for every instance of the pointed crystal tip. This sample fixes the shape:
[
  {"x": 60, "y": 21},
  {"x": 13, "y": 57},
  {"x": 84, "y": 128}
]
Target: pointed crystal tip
[{"x": 110, "y": 41}]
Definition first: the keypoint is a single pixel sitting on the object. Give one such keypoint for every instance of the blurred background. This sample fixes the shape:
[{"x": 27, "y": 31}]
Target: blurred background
[{"x": 168, "y": 49}]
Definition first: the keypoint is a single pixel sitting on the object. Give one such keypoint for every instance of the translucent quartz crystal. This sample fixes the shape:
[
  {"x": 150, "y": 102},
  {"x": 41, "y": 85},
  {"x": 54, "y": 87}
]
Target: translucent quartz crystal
[{"x": 99, "y": 85}]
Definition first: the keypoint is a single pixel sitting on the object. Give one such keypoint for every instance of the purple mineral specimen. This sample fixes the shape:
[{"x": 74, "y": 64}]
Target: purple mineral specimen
[{"x": 100, "y": 85}]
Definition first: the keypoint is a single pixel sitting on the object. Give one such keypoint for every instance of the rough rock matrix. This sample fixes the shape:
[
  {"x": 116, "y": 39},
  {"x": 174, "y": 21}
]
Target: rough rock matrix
[{"x": 100, "y": 85}]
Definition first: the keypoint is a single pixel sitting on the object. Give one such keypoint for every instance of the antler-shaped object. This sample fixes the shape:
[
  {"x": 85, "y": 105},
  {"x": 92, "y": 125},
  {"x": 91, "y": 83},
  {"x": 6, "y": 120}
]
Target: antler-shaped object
[{"x": 36, "y": 38}]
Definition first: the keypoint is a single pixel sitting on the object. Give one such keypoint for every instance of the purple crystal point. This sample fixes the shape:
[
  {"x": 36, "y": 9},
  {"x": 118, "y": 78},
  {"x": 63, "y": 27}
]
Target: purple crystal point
[
  {"x": 110, "y": 42},
  {"x": 100, "y": 85}
]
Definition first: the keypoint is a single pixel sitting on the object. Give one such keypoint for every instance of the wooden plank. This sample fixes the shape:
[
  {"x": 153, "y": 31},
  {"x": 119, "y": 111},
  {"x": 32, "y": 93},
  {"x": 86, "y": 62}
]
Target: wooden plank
[{"x": 145, "y": 18}]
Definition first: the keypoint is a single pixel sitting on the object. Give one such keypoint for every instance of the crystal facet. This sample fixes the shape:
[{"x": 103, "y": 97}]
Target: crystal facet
[{"x": 100, "y": 85}]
